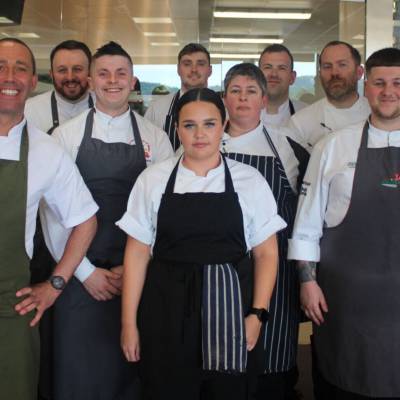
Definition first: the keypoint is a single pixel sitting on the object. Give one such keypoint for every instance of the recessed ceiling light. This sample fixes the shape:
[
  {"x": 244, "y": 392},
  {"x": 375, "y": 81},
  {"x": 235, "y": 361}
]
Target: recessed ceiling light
[
  {"x": 245, "y": 40},
  {"x": 5, "y": 34},
  {"x": 163, "y": 20},
  {"x": 28, "y": 35},
  {"x": 358, "y": 37},
  {"x": 235, "y": 56},
  {"x": 262, "y": 14},
  {"x": 159, "y": 34},
  {"x": 164, "y": 43},
  {"x": 5, "y": 20}
]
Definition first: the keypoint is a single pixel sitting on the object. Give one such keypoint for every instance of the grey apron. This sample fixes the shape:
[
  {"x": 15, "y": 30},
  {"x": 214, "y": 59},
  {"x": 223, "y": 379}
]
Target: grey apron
[
  {"x": 19, "y": 344},
  {"x": 89, "y": 363},
  {"x": 357, "y": 347}
]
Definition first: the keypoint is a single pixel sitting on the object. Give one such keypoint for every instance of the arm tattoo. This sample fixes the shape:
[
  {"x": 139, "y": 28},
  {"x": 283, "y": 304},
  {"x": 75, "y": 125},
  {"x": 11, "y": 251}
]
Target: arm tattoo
[{"x": 307, "y": 271}]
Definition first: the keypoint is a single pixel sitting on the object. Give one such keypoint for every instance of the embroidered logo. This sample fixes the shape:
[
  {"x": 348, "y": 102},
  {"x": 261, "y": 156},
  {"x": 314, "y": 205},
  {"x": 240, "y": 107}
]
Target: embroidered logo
[
  {"x": 392, "y": 182},
  {"x": 147, "y": 151},
  {"x": 304, "y": 187}
]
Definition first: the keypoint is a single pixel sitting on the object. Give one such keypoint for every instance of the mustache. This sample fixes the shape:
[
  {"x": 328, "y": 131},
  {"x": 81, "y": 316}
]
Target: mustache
[{"x": 69, "y": 81}]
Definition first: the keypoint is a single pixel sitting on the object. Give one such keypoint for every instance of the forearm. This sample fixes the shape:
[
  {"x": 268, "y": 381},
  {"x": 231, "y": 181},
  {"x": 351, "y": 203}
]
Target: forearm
[
  {"x": 307, "y": 271},
  {"x": 137, "y": 256},
  {"x": 76, "y": 247},
  {"x": 265, "y": 258}
]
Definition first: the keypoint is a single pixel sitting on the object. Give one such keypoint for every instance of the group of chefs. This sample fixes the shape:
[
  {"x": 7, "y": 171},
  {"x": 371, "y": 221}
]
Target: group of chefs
[{"x": 289, "y": 207}]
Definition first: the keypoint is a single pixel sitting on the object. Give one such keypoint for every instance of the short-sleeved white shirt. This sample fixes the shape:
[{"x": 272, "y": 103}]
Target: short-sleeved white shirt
[{"x": 260, "y": 218}]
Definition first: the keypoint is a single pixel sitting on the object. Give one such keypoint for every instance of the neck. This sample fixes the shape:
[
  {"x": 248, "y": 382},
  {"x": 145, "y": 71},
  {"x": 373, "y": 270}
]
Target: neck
[
  {"x": 8, "y": 121},
  {"x": 114, "y": 112},
  {"x": 388, "y": 125},
  {"x": 274, "y": 104},
  {"x": 238, "y": 128},
  {"x": 202, "y": 167},
  {"x": 347, "y": 102}
]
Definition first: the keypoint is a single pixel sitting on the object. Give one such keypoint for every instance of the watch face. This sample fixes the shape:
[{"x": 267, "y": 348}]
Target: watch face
[{"x": 57, "y": 282}]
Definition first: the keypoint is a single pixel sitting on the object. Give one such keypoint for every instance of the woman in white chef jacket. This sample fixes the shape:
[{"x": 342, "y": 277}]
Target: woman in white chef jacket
[{"x": 191, "y": 223}]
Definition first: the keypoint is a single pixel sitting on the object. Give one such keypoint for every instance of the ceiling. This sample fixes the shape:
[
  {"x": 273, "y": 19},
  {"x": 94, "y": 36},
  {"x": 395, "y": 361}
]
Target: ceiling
[{"x": 98, "y": 21}]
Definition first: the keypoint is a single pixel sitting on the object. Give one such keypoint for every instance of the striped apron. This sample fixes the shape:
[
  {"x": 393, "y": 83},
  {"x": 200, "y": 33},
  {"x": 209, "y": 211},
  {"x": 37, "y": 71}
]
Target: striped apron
[
  {"x": 281, "y": 331},
  {"x": 198, "y": 289},
  {"x": 169, "y": 124}
]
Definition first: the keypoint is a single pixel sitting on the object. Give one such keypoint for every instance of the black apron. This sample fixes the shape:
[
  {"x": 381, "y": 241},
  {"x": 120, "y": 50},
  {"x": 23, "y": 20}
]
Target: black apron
[
  {"x": 19, "y": 343},
  {"x": 89, "y": 363},
  {"x": 357, "y": 346},
  {"x": 196, "y": 232},
  {"x": 169, "y": 124},
  {"x": 281, "y": 331}
]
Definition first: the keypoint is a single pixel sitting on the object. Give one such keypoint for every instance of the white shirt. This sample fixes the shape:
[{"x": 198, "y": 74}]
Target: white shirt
[
  {"x": 326, "y": 192},
  {"x": 260, "y": 218},
  {"x": 53, "y": 177},
  {"x": 110, "y": 130},
  {"x": 322, "y": 118},
  {"x": 255, "y": 143},
  {"x": 38, "y": 109},
  {"x": 158, "y": 109},
  {"x": 281, "y": 118}
]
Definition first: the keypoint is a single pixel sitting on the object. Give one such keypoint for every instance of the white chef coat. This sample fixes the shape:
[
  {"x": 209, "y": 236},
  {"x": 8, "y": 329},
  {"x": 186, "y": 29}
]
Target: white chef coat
[
  {"x": 111, "y": 130},
  {"x": 260, "y": 218},
  {"x": 158, "y": 109},
  {"x": 53, "y": 177},
  {"x": 38, "y": 109},
  {"x": 255, "y": 143},
  {"x": 326, "y": 191},
  {"x": 281, "y": 118},
  {"x": 322, "y": 118}
]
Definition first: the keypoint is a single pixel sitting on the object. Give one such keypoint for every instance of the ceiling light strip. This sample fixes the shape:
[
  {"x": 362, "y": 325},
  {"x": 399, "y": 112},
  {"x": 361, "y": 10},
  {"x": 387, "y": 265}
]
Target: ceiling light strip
[
  {"x": 246, "y": 40},
  {"x": 262, "y": 15}
]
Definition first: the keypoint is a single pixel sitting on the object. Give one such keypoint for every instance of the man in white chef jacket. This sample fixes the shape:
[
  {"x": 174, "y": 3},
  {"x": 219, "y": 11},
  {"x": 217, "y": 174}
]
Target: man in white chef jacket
[
  {"x": 276, "y": 63},
  {"x": 33, "y": 167},
  {"x": 70, "y": 63},
  {"x": 339, "y": 71},
  {"x": 347, "y": 221},
  {"x": 194, "y": 69}
]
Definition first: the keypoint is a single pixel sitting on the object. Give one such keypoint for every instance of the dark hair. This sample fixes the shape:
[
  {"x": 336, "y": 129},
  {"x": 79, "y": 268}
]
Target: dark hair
[
  {"x": 387, "y": 57},
  {"x": 15, "y": 40},
  {"x": 277, "y": 48},
  {"x": 193, "y": 48},
  {"x": 355, "y": 54},
  {"x": 71, "y": 45},
  {"x": 112, "y": 49},
  {"x": 246, "y": 69},
  {"x": 201, "y": 94}
]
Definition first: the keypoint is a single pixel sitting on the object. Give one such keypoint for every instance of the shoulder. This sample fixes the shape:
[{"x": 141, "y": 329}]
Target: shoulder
[
  {"x": 244, "y": 173},
  {"x": 74, "y": 125},
  {"x": 162, "y": 100},
  {"x": 158, "y": 173},
  {"x": 299, "y": 105},
  {"x": 39, "y": 99}
]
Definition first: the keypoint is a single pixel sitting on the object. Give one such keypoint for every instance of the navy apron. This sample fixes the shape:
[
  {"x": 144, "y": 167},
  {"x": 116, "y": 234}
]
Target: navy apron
[
  {"x": 357, "y": 347},
  {"x": 89, "y": 362},
  {"x": 169, "y": 124},
  {"x": 200, "y": 264},
  {"x": 281, "y": 331}
]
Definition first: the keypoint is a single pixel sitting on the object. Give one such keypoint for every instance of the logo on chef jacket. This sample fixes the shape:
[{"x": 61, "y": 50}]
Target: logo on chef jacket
[
  {"x": 393, "y": 182},
  {"x": 304, "y": 188},
  {"x": 147, "y": 151}
]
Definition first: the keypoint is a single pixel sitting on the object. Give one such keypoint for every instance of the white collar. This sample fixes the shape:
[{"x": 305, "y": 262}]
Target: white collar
[
  {"x": 16, "y": 130},
  {"x": 213, "y": 172}
]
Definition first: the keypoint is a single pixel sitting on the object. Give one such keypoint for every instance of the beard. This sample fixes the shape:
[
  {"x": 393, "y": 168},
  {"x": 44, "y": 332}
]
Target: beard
[
  {"x": 76, "y": 94},
  {"x": 340, "y": 88},
  {"x": 394, "y": 114}
]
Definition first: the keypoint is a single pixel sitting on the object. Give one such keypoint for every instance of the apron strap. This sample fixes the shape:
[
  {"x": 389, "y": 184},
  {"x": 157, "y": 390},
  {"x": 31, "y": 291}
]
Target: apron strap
[
  {"x": 90, "y": 101},
  {"x": 223, "y": 329},
  {"x": 291, "y": 108},
  {"x": 54, "y": 113}
]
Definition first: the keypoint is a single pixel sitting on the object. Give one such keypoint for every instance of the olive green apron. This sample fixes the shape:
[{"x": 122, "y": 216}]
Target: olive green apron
[{"x": 19, "y": 344}]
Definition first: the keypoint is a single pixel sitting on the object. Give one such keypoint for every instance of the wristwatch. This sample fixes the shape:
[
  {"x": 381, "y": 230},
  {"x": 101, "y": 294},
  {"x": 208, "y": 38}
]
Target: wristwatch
[
  {"x": 58, "y": 282},
  {"x": 261, "y": 313}
]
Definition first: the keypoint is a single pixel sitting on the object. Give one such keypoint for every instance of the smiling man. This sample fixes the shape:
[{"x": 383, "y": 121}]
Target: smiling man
[
  {"x": 33, "y": 169},
  {"x": 339, "y": 71},
  {"x": 70, "y": 63},
  {"x": 194, "y": 69},
  {"x": 348, "y": 221},
  {"x": 111, "y": 145},
  {"x": 276, "y": 63}
]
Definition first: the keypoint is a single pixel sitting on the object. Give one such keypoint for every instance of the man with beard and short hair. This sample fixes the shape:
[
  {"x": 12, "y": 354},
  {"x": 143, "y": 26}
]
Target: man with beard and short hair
[
  {"x": 70, "y": 62},
  {"x": 348, "y": 222},
  {"x": 276, "y": 63},
  {"x": 194, "y": 69},
  {"x": 339, "y": 71}
]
